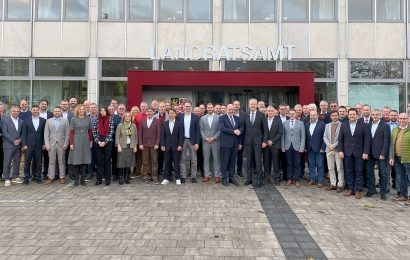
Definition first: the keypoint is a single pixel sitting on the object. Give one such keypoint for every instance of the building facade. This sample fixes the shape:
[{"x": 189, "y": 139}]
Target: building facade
[{"x": 59, "y": 49}]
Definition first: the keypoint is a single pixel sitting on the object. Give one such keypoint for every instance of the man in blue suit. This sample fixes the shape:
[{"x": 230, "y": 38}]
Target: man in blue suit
[
  {"x": 192, "y": 138},
  {"x": 379, "y": 148},
  {"x": 354, "y": 147},
  {"x": 32, "y": 138},
  {"x": 315, "y": 147},
  {"x": 230, "y": 142}
]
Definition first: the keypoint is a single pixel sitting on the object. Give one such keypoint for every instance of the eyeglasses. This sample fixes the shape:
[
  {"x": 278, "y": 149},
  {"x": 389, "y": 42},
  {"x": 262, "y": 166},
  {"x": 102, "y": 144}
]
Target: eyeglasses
[{"x": 403, "y": 118}]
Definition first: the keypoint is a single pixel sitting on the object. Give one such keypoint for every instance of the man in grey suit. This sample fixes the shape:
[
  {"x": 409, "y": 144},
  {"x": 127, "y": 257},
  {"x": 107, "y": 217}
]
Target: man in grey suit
[
  {"x": 12, "y": 126},
  {"x": 293, "y": 145},
  {"x": 56, "y": 138},
  {"x": 209, "y": 128}
]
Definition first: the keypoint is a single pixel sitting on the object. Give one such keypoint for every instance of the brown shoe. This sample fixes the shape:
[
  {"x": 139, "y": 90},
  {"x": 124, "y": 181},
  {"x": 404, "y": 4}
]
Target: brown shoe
[
  {"x": 319, "y": 185},
  {"x": 358, "y": 195},
  {"x": 310, "y": 183},
  {"x": 62, "y": 181},
  {"x": 331, "y": 187},
  {"x": 349, "y": 193},
  {"x": 339, "y": 190},
  {"x": 206, "y": 178},
  {"x": 49, "y": 181},
  {"x": 298, "y": 184},
  {"x": 217, "y": 180},
  {"x": 304, "y": 177},
  {"x": 289, "y": 183},
  {"x": 399, "y": 199}
]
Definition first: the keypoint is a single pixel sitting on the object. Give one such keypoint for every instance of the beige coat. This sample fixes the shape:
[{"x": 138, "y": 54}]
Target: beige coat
[{"x": 121, "y": 136}]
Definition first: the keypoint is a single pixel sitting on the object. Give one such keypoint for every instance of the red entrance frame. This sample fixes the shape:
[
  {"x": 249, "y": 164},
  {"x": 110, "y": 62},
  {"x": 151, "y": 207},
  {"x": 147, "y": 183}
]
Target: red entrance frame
[{"x": 137, "y": 79}]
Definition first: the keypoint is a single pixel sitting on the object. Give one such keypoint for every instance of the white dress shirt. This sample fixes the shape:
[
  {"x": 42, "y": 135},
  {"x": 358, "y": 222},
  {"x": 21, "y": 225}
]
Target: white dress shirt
[
  {"x": 15, "y": 122},
  {"x": 374, "y": 128},
  {"x": 283, "y": 118},
  {"x": 187, "y": 125},
  {"x": 171, "y": 125},
  {"x": 270, "y": 121},
  {"x": 64, "y": 114},
  {"x": 210, "y": 120},
  {"x": 312, "y": 127},
  {"x": 149, "y": 121},
  {"x": 352, "y": 127},
  {"x": 36, "y": 122},
  {"x": 43, "y": 115}
]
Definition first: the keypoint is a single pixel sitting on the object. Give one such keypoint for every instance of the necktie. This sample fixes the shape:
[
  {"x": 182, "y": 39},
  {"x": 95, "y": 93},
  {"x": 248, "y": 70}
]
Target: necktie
[
  {"x": 367, "y": 121},
  {"x": 252, "y": 117},
  {"x": 232, "y": 122},
  {"x": 291, "y": 124}
]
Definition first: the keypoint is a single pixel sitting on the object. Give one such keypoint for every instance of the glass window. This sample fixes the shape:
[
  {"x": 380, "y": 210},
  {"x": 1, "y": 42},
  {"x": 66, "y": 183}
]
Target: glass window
[
  {"x": 140, "y": 10},
  {"x": 60, "y": 68},
  {"x": 250, "y": 65},
  {"x": 1, "y": 9},
  {"x": 48, "y": 9},
  {"x": 360, "y": 10},
  {"x": 263, "y": 10},
  {"x": 76, "y": 10},
  {"x": 113, "y": 90},
  {"x": 389, "y": 10},
  {"x": 205, "y": 97},
  {"x": 374, "y": 94},
  {"x": 56, "y": 90},
  {"x": 235, "y": 10},
  {"x": 322, "y": 69},
  {"x": 119, "y": 68},
  {"x": 323, "y": 10},
  {"x": 325, "y": 91},
  {"x": 171, "y": 10},
  {"x": 112, "y": 9},
  {"x": 376, "y": 69},
  {"x": 294, "y": 10},
  {"x": 14, "y": 67},
  {"x": 183, "y": 65},
  {"x": 12, "y": 91},
  {"x": 199, "y": 10},
  {"x": 18, "y": 9}
]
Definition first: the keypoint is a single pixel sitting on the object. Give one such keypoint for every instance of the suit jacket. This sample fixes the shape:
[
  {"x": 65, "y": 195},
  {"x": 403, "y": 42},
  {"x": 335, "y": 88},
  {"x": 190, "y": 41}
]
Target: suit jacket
[
  {"x": 24, "y": 115},
  {"x": 287, "y": 118},
  {"x": 70, "y": 115},
  {"x": 326, "y": 118},
  {"x": 295, "y": 137},
  {"x": 275, "y": 132},
  {"x": 10, "y": 134},
  {"x": 31, "y": 137},
  {"x": 194, "y": 131},
  {"x": 315, "y": 141},
  {"x": 172, "y": 140},
  {"x": 356, "y": 144},
  {"x": 227, "y": 138},
  {"x": 380, "y": 143},
  {"x": 53, "y": 137},
  {"x": 362, "y": 120},
  {"x": 256, "y": 133},
  {"x": 121, "y": 136},
  {"x": 327, "y": 137},
  {"x": 209, "y": 132},
  {"x": 149, "y": 137}
]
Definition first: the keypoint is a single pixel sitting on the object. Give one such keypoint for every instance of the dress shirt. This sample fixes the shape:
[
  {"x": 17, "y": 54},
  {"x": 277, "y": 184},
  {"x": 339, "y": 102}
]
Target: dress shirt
[
  {"x": 374, "y": 128},
  {"x": 270, "y": 121},
  {"x": 36, "y": 122},
  {"x": 64, "y": 114},
  {"x": 366, "y": 119},
  {"x": 210, "y": 119},
  {"x": 187, "y": 125},
  {"x": 171, "y": 125},
  {"x": 15, "y": 122},
  {"x": 312, "y": 127},
  {"x": 352, "y": 127},
  {"x": 393, "y": 125},
  {"x": 149, "y": 121},
  {"x": 57, "y": 122},
  {"x": 43, "y": 115},
  {"x": 283, "y": 118}
]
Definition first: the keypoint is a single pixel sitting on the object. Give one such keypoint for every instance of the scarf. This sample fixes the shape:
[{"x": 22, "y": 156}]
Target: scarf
[
  {"x": 103, "y": 125},
  {"x": 128, "y": 128}
]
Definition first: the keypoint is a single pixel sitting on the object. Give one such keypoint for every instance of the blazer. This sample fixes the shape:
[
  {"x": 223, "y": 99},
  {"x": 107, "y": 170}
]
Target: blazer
[
  {"x": 362, "y": 120},
  {"x": 326, "y": 119},
  {"x": 315, "y": 141},
  {"x": 30, "y": 137},
  {"x": 356, "y": 144},
  {"x": 327, "y": 137},
  {"x": 194, "y": 131},
  {"x": 295, "y": 137},
  {"x": 209, "y": 132},
  {"x": 121, "y": 136},
  {"x": 149, "y": 137},
  {"x": 53, "y": 137},
  {"x": 172, "y": 140},
  {"x": 227, "y": 138},
  {"x": 49, "y": 115},
  {"x": 10, "y": 134},
  {"x": 275, "y": 132},
  {"x": 287, "y": 118},
  {"x": 380, "y": 143},
  {"x": 256, "y": 133},
  {"x": 70, "y": 115}
]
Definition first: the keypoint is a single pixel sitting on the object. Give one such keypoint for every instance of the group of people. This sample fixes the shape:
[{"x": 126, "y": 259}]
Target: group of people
[{"x": 213, "y": 139}]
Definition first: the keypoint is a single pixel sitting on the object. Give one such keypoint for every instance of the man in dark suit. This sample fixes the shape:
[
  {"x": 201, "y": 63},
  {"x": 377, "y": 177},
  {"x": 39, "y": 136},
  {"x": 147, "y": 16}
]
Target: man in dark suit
[
  {"x": 324, "y": 115},
  {"x": 192, "y": 138},
  {"x": 230, "y": 142},
  {"x": 315, "y": 148},
  {"x": 44, "y": 113},
  {"x": 1, "y": 139},
  {"x": 282, "y": 157},
  {"x": 32, "y": 139},
  {"x": 271, "y": 152},
  {"x": 255, "y": 130},
  {"x": 11, "y": 128},
  {"x": 343, "y": 114},
  {"x": 172, "y": 139},
  {"x": 354, "y": 147},
  {"x": 24, "y": 111},
  {"x": 366, "y": 115},
  {"x": 379, "y": 147},
  {"x": 239, "y": 156}
]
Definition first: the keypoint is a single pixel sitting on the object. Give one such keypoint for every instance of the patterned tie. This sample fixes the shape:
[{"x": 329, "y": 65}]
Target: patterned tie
[
  {"x": 232, "y": 121},
  {"x": 252, "y": 117}
]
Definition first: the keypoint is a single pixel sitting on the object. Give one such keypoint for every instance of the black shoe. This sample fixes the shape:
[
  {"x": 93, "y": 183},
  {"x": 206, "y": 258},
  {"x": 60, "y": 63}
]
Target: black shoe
[
  {"x": 107, "y": 183},
  {"x": 39, "y": 181},
  {"x": 369, "y": 194},
  {"x": 248, "y": 182},
  {"x": 277, "y": 182},
  {"x": 393, "y": 186},
  {"x": 56, "y": 178},
  {"x": 182, "y": 180},
  {"x": 383, "y": 197},
  {"x": 225, "y": 182},
  {"x": 234, "y": 182},
  {"x": 259, "y": 183},
  {"x": 115, "y": 178},
  {"x": 193, "y": 180},
  {"x": 98, "y": 182},
  {"x": 44, "y": 177},
  {"x": 82, "y": 180},
  {"x": 25, "y": 182},
  {"x": 240, "y": 174}
]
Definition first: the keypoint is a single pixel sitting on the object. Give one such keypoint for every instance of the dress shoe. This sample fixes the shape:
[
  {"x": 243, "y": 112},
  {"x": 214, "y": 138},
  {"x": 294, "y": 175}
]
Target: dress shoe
[
  {"x": 182, "y": 180},
  {"x": 339, "y": 190},
  {"x": 240, "y": 174},
  {"x": 393, "y": 185},
  {"x": 369, "y": 194},
  {"x": 310, "y": 183},
  {"x": 298, "y": 184},
  {"x": 26, "y": 182},
  {"x": 98, "y": 182},
  {"x": 319, "y": 185},
  {"x": 39, "y": 181},
  {"x": 49, "y": 181},
  {"x": 217, "y": 180},
  {"x": 62, "y": 180},
  {"x": 234, "y": 182},
  {"x": 332, "y": 188},
  {"x": 277, "y": 182},
  {"x": 44, "y": 177},
  {"x": 304, "y": 177},
  {"x": 193, "y": 180},
  {"x": 248, "y": 182},
  {"x": 289, "y": 183},
  {"x": 107, "y": 183},
  {"x": 225, "y": 182},
  {"x": 383, "y": 197},
  {"x": 358, "y": 195},
  {"x": 206, "y": 178},
  {"x": 115, "y": 178},
  {"x": 349, "y": 193},
  {"x": 399, "y": 199}
]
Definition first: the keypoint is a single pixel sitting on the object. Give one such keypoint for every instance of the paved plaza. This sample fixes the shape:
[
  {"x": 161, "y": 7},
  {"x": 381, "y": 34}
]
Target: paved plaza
[{"x": 197, "y": 221}]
